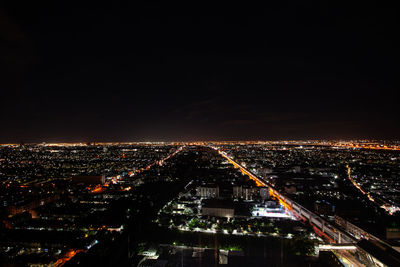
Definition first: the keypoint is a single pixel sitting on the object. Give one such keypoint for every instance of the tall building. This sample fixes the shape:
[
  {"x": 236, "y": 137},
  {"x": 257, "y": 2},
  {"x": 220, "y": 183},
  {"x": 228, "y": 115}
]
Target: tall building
[
  {"x": 211, "y": 191},
  {"x": 249, "y": 192}
]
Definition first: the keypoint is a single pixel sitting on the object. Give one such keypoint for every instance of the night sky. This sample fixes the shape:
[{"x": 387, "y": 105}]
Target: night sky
[{"x": 173, "y": 72}]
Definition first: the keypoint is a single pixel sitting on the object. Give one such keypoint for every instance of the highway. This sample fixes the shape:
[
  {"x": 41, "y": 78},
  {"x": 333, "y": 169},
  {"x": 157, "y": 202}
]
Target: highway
[
  {"x": 322, "y": 227},
  {"x": 134, "y": 172},
  {"x": 391, "y": 209}
]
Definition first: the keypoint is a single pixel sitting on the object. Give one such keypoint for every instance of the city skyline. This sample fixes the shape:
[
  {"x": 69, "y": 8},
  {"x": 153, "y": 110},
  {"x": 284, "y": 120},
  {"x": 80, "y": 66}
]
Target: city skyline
[
  {"x": 186, "y": 134},
  {"x": 291, "y": 203}
]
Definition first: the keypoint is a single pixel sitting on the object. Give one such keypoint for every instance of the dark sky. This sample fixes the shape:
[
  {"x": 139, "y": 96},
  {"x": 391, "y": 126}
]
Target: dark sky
[{"x": 171, "y": 72}]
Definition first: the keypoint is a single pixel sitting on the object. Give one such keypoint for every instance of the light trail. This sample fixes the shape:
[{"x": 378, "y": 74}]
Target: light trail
[
  {"x": 160, "y": 162},
  {"x": 67, "y": 256},
  {"x": 97, "y": 189},
  {"x": 288, "y": 206},
  {"x": 390, "y": 209},
  {"x": 243, "y": 170},
  {"x": 258, "y": 181}
]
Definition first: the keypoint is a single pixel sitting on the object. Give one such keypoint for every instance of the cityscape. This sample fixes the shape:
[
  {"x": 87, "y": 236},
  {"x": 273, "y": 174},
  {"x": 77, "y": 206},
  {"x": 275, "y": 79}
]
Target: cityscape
[
  {"x": 285, "y": 203},
  {"x": 194, "y": 134}
]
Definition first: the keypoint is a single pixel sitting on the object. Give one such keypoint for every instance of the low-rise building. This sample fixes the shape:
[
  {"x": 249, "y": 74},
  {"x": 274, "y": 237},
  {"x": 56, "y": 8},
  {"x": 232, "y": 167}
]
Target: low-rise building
[{"x": 218, "y": 208}]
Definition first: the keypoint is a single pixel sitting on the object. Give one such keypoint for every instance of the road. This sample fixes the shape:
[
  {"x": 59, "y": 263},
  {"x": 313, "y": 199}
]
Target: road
[
  {"x": 391, "y": 209},
  {"x": 303, "y": 213}
]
